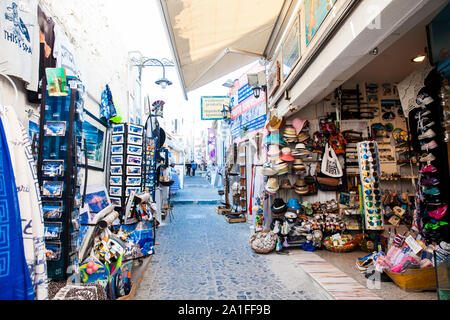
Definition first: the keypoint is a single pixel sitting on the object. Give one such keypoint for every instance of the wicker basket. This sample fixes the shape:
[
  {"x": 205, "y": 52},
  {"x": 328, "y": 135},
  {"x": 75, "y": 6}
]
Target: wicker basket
[
  {"x": 352, "y": 245},
  {"x": 260, "y": 244},
  {"x": 415, "y": 279}
]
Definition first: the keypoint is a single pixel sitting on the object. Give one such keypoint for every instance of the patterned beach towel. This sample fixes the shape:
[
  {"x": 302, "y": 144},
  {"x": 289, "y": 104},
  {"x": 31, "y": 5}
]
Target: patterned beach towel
[
  {"x": 30, "y": 205},
  {"x": 15, "y": 281}
]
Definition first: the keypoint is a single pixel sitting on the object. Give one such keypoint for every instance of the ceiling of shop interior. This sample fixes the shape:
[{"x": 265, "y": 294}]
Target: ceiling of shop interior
[{"x": 394, "y": 64}]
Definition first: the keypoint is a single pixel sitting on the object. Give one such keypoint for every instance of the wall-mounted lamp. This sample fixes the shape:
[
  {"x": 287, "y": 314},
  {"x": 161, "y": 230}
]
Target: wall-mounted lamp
[
  {"x": 226, "y": 113},
  {"x": 419, "y": 58},
  {"x": 258, "y": 83}
]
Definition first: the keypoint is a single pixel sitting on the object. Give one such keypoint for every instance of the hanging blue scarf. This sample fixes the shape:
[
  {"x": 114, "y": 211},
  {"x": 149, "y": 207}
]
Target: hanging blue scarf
[
  {"x": 107, "y": 108},
  {"x": 15, "y": 281}
]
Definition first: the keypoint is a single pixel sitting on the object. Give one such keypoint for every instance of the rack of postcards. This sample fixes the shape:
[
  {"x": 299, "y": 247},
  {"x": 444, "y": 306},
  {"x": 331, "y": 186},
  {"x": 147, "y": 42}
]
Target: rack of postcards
[
  {"x": 59, "y": 157},
  {"x": 370, "y": 193},
  {"x": 126, "y": 163}
]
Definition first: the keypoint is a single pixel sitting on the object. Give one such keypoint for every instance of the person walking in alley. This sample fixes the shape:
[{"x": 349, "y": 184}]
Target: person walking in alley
[
  {"x": 188, "y": 169},
  {"x": 193, "y": 167}
]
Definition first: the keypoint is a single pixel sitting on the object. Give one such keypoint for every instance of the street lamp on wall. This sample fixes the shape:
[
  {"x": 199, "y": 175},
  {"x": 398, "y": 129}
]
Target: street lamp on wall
[
  {"x": 226, "y": 113},
  {"x": 258, "y": 83},
  {"x": 152, "y": 62}
]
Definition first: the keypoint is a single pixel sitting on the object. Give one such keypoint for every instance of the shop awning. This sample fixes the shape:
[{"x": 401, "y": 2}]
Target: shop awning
[{"x": 211, "y": 38}]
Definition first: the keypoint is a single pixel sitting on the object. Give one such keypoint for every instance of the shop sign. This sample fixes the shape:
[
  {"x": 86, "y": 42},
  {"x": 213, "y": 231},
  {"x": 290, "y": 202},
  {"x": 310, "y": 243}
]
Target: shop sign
[
  {"x": 291, "y": 49},
  {"x": 315, "y": 13},
  {"x": 211, "y": 107},
  {"x": 248, "y": 114}
]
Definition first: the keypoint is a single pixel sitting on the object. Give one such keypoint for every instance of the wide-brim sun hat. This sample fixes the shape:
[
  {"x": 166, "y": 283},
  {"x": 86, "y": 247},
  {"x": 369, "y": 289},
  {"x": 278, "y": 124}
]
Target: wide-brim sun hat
[
  {"x": 298, "y": 124},
  {"x": 286, "y": 155}
]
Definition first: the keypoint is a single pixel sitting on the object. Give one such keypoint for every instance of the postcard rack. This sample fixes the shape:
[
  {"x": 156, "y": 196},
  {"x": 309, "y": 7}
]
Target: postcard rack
[
  {"x": 126, "y": 163},
  {"x": 59, "y": 159}
]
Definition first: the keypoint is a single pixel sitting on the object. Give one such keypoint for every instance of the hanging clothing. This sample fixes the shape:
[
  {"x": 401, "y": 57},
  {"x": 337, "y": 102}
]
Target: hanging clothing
[
  {"x": 46, "y": 59},
  {"x": 19, "y": 40},
  {"x": 64, "y": 52},
  {"x": 15, "y": 281},
  {"x": 30, "y": 204}
]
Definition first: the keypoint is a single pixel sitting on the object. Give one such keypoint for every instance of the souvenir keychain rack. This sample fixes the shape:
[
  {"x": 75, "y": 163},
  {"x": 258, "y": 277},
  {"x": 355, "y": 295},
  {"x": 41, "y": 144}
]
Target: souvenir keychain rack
[
  {"x": 369, "y": 167},
  {"x": 59, "y": 157},
  {"x": 125, "y": 174}
]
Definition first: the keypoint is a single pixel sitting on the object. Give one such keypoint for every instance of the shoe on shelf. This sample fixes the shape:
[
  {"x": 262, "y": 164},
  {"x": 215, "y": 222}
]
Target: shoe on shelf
[
  {"x": 429, "y": 169},
  {"x": 432, "y": 192},
  {"x": 422, "y": 114},
  {"x": 424, "y": 99},
  {"x": 427, "y": 134},
  {"x": 430, "y": 181},
  {"x": 427, "y": 157},
  {"x": 438, "y": 213},
  {"x": 425, "y": 124},
  {"x": 429, "y": 146}
]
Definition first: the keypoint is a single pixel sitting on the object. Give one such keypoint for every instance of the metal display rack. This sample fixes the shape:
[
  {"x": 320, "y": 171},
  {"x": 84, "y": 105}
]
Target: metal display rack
[
  {"x": 59, "y": 159},
  {"x": 128, "y": 138}
]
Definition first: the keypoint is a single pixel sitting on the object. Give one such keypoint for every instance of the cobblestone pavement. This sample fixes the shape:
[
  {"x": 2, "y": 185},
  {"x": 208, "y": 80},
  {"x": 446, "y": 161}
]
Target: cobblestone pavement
[{"x": 202, "y": 257}]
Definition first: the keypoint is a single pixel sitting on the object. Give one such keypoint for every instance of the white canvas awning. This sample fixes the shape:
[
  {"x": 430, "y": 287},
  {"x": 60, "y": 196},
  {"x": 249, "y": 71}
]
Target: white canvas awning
[{"x": 211, "y": 38}]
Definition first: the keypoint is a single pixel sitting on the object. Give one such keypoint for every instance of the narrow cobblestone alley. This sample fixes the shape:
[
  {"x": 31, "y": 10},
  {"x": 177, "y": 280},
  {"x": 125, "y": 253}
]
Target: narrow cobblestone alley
[{"x": 200, "y": 256}]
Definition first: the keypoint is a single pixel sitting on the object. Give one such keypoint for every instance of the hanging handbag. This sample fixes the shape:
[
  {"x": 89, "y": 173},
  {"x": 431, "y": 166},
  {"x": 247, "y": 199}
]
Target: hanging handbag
[
  {"x": 325, "y": 183},
  {"x": 330, "y": 163}
]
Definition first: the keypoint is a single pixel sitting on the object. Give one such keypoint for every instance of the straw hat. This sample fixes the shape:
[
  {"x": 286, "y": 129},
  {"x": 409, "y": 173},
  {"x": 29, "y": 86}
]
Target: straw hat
[
  {"x": 268, "y": 169},
  {"x": 286, "y": 156},
  {"x": 302, "y": 137},
  {"x": 272, "y": 185},
  {"x": 275, "y": 124},
  {"x": 298, "y": 165},
  {"x": 274, "y": 151},
  {"x": 300, "y": 187}
]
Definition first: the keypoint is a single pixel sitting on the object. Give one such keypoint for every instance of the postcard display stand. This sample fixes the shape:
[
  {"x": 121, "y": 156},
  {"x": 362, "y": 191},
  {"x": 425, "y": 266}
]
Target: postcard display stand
[
  {"x": 60, "y": 148},
  {"x": 370, "y": 197},
  {"x": 126, "y": 163}
]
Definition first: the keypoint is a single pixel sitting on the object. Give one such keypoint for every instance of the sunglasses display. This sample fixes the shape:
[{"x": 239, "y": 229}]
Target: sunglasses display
[{"x": 368, "y": 158}]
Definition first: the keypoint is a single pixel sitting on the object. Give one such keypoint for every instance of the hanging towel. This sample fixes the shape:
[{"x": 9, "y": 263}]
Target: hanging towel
[
  {"x": 15, "y": 281},
  {"x": 29, "y": 198}
]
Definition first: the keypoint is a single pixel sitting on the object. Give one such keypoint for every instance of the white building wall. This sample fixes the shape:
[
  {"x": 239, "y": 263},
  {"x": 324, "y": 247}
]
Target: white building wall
[{"x": 102, "y": 59}]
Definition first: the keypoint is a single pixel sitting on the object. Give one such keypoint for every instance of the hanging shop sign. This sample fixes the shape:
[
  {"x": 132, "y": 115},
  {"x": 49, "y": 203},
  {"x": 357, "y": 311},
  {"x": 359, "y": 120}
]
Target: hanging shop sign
[
  {"x": 248, "y": 114},
  {"x": 315, "y": 13},
  {"x": 20, "y": 41},
  {"x": 212, "y": 144},
  {"x": 212, "y": 107},
  {"x": 291, "y": 48}
]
